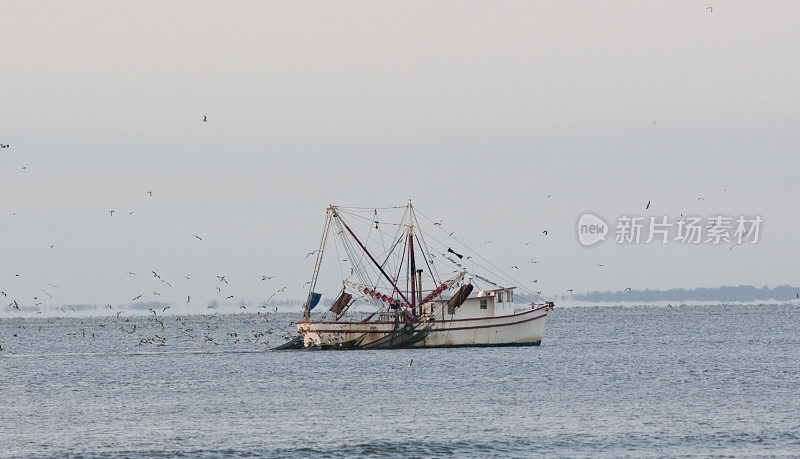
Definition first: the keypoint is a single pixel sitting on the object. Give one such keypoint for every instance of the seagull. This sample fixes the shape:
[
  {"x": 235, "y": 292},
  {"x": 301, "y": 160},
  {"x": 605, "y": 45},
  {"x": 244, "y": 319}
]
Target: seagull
[
  {"x": 46, "y": 293},
  {"x": 14, "y": 305},
  {"x": 52, "y": 245},
  {"x": 486, "y": 243},
  {"x": 188, "y": 298},
  {"x": 150, "y": 194},
  {"x": 701, "y": 198},
  {"x": 439, "y": 223},
  {"x": 108, "y": 306},
  {"x": 222, "y": 279},
  {"x": 151, "y": 310},
  {"x": 131, "y": 273},
  {"x": 198, "y": 237},
  {"x": 410, "y": 362},
  {"x": 600, "y": 266},
  {"x": 544, "y": 232},
  {"x": 188, "y": 277},
  {"x": 263, "y": 278},
  {"x": 514, "y": 267},
  {"x": 130, "y": 212},
  {"x": 647, "y": 206},
  {"x": 710, "y": 9},
  {"x": 229, "y": 297},
  {"x": 155, "y": 274},
  {"x": 311, "y": 253},
  {"x": 205, "y": 118},
  {"x": 627, "y": 289},
  {"x": 138, "y": 297},
  {"x": 70, "y": 306},
  {"x": 4, "y": 145},
  {"x": 164, "y": 310},
  {"x": 162, "y": 280},
  {"x": 451, "y": 234},
  {"x": 455, "y": 253},
  {"x": 527, "y": 243},
  {"x": 568, "y": 290},
  {"x": 111, "y": 212},
  {"x": 156, "y": 294}
]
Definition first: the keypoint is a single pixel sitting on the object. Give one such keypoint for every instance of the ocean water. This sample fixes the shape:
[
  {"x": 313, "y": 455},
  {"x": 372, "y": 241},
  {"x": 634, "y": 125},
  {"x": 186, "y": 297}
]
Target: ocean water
[{"x": 612, "y": 381}]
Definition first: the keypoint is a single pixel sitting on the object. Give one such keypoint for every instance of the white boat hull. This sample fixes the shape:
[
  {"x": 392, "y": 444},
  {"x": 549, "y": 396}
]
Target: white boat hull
[{"x": 521, "y": 329}]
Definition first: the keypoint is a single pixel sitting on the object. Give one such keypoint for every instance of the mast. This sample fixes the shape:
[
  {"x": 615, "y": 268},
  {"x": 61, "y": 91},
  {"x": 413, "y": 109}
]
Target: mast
[{"x": 413, "y": 267}]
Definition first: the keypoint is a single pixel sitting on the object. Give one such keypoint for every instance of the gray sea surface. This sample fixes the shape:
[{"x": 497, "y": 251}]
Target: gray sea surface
[{"x": 712, "y": 380}]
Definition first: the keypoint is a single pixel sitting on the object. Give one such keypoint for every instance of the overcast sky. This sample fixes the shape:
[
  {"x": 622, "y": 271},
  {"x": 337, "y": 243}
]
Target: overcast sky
[{"x": 475, "y": 110}]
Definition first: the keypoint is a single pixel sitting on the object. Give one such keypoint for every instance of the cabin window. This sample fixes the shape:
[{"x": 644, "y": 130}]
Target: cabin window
[
  {"x": 483, "y": 304},
  {"x": 510, "y": 296},
  {"x": 499, "y": 297}
]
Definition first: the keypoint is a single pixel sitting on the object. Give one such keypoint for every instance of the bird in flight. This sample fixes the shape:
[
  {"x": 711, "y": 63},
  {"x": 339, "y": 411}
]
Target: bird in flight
[
  {"x": 164, "y": 310},
  {"x": 263, "y": 278},
  {"x": 131, "y": 273},
  {"x": 527, "y": 243},
  {"x": 138, "y": 297},
  {"x": 155, "y": 274},
  {"x": 710, "y": 9},
  {"x": 222, "y": 279},
  {"x": 439, "y": 223},
  {"x": 627, "y": 289},
  {"x": 198, "y": 237},
  {"x": 311, "y": 253},
  {"x": 150, "y": 194},
  {"x": 4, "y": 145},
  {"x": 568, "y": 290},
  {"x": 486, "y": 243},
  {"x": 229, "y": 297},
  {"x": 455, "y": 253},
  {"x": 544, "y": 232},
  {"x": 514, "y": 267},
  {"x": 130, "y": 212},
  {"x": 188, "y": 298},
  {"x": 205, "y": 118},
  {"x": 111, "y": 212},
  {"x": 647, "y": 206}
]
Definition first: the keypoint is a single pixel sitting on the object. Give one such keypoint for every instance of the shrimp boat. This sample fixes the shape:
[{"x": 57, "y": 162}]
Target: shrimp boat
[{"x": 390, "y": 266}]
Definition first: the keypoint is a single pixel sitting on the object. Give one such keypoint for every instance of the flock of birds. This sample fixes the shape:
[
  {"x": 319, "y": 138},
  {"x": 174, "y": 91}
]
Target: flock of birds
[{"x": 159, "y": 330}]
